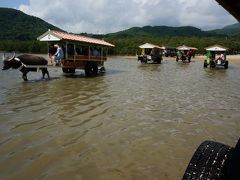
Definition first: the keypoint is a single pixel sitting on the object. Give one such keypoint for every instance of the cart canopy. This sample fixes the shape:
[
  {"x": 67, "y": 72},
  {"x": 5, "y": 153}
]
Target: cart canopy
[
  {"x": 216, "y": 48},
  {"x": 183, "y": 48},
  {"x": 51, "y": 35},
  {"x": 149, "y": 46}
]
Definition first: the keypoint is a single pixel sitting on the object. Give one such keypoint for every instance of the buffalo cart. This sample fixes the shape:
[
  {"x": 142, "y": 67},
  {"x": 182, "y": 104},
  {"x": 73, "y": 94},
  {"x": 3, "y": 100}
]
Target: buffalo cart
[
  {"x": 150, "y": 53},
  {"x": 185, "y": 53},
  {"x": 216, "y": 57},
  {"x": 80, "y": 52}
]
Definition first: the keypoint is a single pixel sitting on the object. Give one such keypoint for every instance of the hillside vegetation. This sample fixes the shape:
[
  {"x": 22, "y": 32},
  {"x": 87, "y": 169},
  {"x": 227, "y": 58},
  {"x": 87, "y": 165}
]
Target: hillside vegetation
[{"x": 19, "y": 31}]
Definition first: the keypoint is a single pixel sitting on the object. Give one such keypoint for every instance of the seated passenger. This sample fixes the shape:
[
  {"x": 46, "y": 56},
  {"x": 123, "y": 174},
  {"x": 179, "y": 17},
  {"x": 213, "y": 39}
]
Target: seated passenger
[
  {"x": 58, "y": 56},
  {"x": 96, "y": 52}
]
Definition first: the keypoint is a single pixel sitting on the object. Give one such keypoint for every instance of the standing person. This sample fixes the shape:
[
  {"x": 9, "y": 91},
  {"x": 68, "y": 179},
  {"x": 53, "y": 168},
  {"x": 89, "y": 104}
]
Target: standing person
[
  {"x": 59, "y": 55},
  {"x": 51, "y": 52},
  {"x": 189, "y": 55}
]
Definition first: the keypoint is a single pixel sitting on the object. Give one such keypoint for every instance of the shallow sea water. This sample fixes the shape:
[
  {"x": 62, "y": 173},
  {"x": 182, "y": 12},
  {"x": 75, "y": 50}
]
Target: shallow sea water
[{"x": 136, "y": 121}]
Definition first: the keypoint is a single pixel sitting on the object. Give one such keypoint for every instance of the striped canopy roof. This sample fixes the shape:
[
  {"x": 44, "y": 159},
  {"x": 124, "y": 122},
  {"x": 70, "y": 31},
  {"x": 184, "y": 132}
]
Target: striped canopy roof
[{"x": 51, "y": 35}]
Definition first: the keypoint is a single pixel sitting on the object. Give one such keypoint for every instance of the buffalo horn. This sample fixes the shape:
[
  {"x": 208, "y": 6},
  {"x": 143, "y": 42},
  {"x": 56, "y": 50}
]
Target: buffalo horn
[
  {"x": 12, "y": 57},
  {"x": 3, "y": 56}
]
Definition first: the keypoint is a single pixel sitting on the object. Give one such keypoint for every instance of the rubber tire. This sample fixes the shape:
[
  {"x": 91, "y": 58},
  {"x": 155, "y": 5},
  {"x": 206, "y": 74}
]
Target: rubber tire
[
  {"x": 68, "y": 70},
  {"x": 209, "y": 162},
  {"x": 234, "y": 164},
  {"x": 205, "y": 65},
  {"x": 91, "y": 69},
  {"x": 226, "y": 65},
  {"x": 159, "y": 61}
]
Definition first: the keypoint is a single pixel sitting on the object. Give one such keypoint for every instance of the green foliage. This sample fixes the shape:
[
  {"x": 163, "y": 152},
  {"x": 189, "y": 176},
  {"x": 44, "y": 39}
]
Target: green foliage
[
  {"x": 23, "y": 46},
  {"x": 231, "y": 30},
  {"x": 15, "y": 25},
  {"x": 129, "y": 46}
]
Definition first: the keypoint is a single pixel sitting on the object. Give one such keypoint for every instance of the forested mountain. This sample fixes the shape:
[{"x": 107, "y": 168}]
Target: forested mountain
[
  {"x": 160, "y": 31},
  {"x": 16, "y": 25},
  {"x": 230, "y": 30},
  {"x": 18, "y": 32}
]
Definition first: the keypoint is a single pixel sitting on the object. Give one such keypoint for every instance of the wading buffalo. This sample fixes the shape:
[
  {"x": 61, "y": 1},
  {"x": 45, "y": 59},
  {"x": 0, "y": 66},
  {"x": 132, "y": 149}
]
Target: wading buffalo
[{"x": 24, "y": 63}]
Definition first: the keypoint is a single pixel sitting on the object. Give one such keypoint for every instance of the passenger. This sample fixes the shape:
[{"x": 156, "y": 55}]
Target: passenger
[
  {"x": 59, "y": 55},
  {"x": 221, "y": 56},
  {"x": 96, "y": 52},
  {"x": 189, "y": 55}
]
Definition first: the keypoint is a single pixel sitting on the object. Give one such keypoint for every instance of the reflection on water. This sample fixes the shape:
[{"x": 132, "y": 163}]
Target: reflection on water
[{"x": 134, "y": 122}]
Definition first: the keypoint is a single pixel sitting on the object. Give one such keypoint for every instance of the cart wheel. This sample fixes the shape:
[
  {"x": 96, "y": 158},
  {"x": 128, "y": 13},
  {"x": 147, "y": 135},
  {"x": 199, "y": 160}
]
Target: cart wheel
[
  {"x": 205, "y": 64},
  {"x": 234, "y": 163},
  {"x": 209, "y": 161},
  {"x": 91, "y": 69},
  {"x": 159, "y": 61},
  {"x": 226, "y": 65},
  {"x": 68, "y": 70}
]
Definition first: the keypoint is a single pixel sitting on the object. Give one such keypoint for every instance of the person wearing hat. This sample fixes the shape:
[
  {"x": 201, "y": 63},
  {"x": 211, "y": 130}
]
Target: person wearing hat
[{"x": 58, "y": 56}]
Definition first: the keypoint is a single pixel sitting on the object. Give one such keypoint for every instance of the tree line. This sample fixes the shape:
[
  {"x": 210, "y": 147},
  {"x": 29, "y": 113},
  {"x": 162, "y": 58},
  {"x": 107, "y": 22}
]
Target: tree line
[{"x": 129, "y": 46}]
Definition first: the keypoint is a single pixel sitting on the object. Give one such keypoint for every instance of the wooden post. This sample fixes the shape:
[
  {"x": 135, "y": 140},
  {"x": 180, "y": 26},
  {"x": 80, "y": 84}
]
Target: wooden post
[
  {"x": 74, "y": 47},
  {"x": 66, "y": 50},
  {"x": 101, "y": 53},
  {"x": 89, "y": 52}
]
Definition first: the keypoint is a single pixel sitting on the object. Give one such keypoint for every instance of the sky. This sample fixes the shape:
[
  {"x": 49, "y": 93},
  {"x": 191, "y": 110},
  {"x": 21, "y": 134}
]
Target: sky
[{"x": 107, "y": 16}]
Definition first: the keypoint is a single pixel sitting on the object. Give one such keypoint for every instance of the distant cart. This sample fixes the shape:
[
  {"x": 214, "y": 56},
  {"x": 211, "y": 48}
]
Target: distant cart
[
  {"x": 185, "y": 53},
  {"x": 216, "y": 57},
  {"x": 169, "y": 51},
  {"x": 150, "y": 53},
  {"x": 79, "y": 52}
]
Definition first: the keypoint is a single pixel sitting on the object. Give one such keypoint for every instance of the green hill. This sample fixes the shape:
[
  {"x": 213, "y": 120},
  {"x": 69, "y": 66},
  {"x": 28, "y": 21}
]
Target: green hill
[
  {"x": 231, "y": 30},
  {"x": 16, "y": 25},
  {"x": 160, "y": 31}
]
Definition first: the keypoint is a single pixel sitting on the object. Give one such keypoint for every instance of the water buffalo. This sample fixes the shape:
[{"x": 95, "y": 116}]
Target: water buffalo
[{"x": 23, "y": 61}]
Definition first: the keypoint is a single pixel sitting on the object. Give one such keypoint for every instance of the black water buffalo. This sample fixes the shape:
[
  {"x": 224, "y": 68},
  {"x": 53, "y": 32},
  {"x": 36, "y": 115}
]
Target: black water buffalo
[{"x": 23, "y": 61}]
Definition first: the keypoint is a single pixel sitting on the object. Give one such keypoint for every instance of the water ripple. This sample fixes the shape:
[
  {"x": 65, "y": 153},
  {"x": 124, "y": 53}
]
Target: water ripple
[{"x": 142, "y": 121}]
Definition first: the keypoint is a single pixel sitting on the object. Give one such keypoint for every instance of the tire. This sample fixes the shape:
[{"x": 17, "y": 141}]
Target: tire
[
  {"x": 209, "y": 162},
  {"x": 234, "y": 164},
  {"x": 226, "y": 65},
  {"x": 91, "y": 69},
  {"x": 68, "y": 70},
  {"x": 205, "y": 65}
]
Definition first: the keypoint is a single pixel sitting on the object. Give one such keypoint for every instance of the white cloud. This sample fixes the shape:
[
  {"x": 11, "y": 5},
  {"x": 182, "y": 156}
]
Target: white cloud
[{"x": 104, "y": 16}]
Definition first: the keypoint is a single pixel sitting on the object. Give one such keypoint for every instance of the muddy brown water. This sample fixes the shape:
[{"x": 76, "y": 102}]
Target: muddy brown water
[{"x": 135, "y": 122}]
